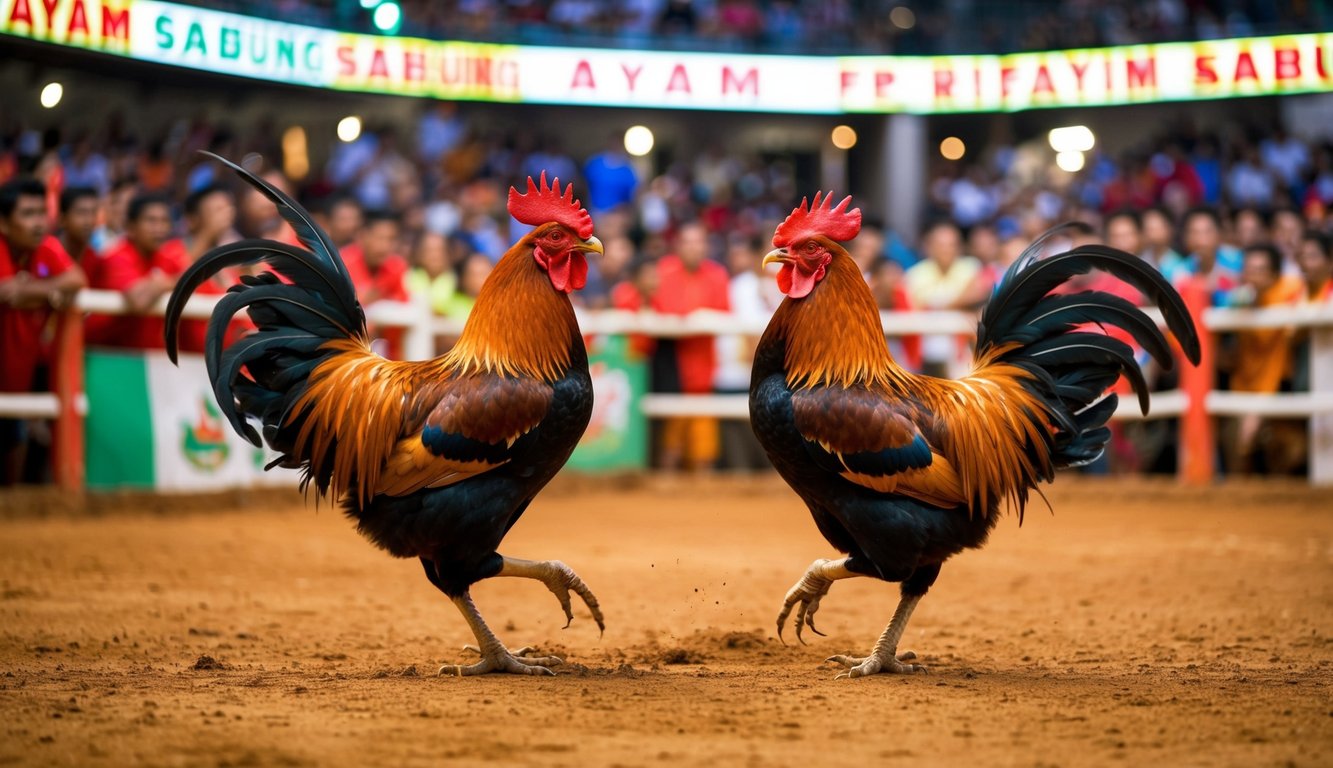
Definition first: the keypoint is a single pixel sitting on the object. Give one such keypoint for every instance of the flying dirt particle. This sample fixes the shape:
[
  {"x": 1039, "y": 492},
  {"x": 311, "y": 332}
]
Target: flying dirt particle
[
  {"x": 681, "y": 656},
  {"x": 743, "y": 640},
  {"x": 206, "y": 662},
  {"x": 628, "y": 670}
]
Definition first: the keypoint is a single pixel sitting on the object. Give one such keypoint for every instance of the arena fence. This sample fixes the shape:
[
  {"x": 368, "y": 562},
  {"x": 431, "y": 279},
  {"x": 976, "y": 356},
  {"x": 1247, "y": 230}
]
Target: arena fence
[{"x": 1194, "y": 403}]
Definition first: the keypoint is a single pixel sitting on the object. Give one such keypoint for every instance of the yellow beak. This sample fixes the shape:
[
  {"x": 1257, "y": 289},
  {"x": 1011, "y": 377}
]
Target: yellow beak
[
  {"x": 779, "y": 256},
  {"x": 592, "y": 245}
]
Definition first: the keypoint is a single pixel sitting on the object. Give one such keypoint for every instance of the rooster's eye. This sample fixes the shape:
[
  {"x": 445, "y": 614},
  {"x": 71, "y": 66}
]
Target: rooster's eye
[{"x": 557, "y": 235}]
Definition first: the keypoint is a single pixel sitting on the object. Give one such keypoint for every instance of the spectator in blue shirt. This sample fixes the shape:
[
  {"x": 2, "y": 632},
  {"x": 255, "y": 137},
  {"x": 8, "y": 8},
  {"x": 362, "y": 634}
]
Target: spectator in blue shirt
[{"x": 611, "y": 179}]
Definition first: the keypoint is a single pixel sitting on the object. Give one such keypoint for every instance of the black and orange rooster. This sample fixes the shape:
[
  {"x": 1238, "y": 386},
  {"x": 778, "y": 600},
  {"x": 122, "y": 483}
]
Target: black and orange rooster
[
  {"x": 434, "y": 459},
  {"x": 902, "y": 471}
]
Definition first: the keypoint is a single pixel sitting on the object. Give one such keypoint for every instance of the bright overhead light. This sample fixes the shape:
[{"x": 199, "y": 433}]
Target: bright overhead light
[
  {"x": 1072, "y": 138},
  {"x": 844, "y": 137},
  {"x": 953, "y": 148},
  {"x": 387, "y": 16},
  {"x": 902, "y": 17},
  {"x": 1070, "y": 162},
  {"x": 349, "y": 128},
  {"x": 368, "y": 4},
  {"x": 51, "y": 94},
  {"x": 638, "y": 140}
]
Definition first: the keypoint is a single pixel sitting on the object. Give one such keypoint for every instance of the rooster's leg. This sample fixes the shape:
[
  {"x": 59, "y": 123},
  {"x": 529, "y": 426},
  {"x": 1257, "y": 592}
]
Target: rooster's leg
[
  {"x": 885, "y": 657},
  {"x": 560, "y": 579},
  {"x": 494, "y": 656},
  {"x": 807, "y": 593}
]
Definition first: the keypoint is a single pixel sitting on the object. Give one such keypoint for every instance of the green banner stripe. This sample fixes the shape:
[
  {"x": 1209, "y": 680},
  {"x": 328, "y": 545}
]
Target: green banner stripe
[{"x": 119, "y": 437}]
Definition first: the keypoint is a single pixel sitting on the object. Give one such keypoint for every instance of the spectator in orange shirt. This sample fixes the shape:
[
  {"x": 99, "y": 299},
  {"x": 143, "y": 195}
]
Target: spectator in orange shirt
[
  {"x": 1263, "y": 355},
  {"x": 1315, "y": 258},
  {"x": 691, "y": 281},
  {"x": 144, "y": 267},
  {"x": 36, "y": 275},
  {"x": 378, "y": 273}
]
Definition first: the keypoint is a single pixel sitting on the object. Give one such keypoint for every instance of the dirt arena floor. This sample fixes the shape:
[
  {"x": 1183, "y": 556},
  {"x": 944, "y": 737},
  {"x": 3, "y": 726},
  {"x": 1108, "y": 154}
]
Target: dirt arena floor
[{"x": 1141, "y": 624}]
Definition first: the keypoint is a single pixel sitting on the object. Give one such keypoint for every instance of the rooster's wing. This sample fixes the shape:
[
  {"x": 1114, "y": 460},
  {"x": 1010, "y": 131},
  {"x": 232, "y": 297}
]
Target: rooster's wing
[
  {"x": 873, "y": 439},
  {"x": 471, "y": 429}
]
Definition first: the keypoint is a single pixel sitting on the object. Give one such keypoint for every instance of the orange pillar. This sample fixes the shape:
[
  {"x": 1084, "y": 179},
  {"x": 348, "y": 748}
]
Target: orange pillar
[
  {"x": 1198, "y": 448},
  {"x": 67, "y": 382}
]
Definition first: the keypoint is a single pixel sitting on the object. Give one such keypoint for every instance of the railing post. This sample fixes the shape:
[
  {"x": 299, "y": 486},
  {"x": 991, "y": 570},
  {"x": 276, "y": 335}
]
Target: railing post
[
  {"x": 1321, "y": 424},
  {"x": 67, "y": 383},
  {"x": 419, "y": 337},
  {"x": 1196, "y": 460}
]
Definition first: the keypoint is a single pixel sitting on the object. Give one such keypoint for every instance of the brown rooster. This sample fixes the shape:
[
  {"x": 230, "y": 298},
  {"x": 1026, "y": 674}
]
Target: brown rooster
[
  {"x": 436, "y": 459},
  {"x": 902, "y": 471}
]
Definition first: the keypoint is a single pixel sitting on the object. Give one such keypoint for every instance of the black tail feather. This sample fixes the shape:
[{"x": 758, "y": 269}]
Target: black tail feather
[
  {"x": 1031, "y": 278},
  {"x": 263, "y": 374},
  {"x": 307, "y": 232},
  {"x": 1072, "y": 370}
]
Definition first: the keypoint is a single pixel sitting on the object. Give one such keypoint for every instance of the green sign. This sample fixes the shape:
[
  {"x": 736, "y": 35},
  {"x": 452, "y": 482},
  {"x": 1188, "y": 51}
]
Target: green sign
[{"x": 617, "y": 436}]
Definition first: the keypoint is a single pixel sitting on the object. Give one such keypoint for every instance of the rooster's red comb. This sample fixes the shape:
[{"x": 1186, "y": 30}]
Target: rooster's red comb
[
  {"x": 545, "y": 203},
  {"x": 807, "y": 221}
]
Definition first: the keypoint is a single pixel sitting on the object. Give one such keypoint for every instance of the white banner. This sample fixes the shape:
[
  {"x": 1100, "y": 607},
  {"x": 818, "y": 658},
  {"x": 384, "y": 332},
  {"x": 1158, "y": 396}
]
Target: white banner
[{"x": 194, "y": 447}]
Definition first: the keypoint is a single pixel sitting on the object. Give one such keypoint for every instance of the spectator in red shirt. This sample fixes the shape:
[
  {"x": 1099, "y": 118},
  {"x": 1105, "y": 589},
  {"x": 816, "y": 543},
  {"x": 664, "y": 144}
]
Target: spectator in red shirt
[
  {"x": 79, "y": 207},
  {"x": 378, "y": 273},
  {"x": 691, "y": 281},
  {"x": 36, "y": 275},
  {"x": 143, "y": 267},
  {"x": 635, "y": 294}
]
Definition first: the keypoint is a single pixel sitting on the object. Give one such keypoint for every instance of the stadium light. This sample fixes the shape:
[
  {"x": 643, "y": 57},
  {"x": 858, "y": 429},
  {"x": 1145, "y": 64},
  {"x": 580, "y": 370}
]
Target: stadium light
[
  {"x": 51, "y": 94},
  {"x": 902, "y": 17},
  {"x": 388, "y": 16},
  {"x": 368, "y": 4},
  {"x": 1070, "y": 162},
  {"x": 349, "y": 128},
  {"x": 1073, "y": 138},
  {"x": 953, "y": 148},
  {"x": 844, "y": 137},
  {"x": 638, "y": 140}
]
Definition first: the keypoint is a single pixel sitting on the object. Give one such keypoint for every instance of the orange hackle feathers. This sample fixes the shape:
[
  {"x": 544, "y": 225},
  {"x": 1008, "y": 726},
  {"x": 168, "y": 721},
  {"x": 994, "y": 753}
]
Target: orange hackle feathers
[
  {"x": 810, "y": 220},
  {"x": 545, "y": 203},
  {"x": 358, "y": 407},
  {"x": 519, "y": 326},
  {"x": 827, "y": 335}
]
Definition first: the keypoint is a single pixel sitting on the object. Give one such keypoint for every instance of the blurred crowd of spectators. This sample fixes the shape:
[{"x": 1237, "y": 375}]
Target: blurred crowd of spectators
[
  {"x": 816, "y": 26},
  {"x": 422, "y": 211}
]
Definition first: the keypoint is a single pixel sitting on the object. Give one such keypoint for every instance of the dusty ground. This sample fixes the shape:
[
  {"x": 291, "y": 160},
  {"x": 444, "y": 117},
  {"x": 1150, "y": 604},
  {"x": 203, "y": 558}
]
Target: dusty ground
[{"x": 1141, "y": 625}]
